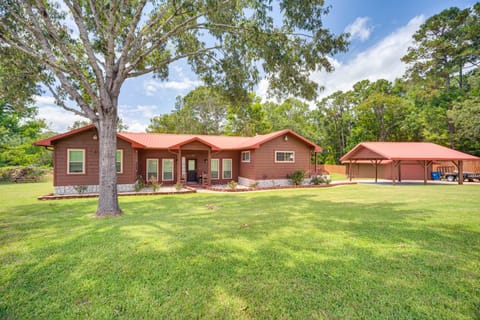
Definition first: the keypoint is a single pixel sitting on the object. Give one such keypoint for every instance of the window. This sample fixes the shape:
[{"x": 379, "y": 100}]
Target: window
[
  {"x": 167, "y": 169},
  {"x": 76, "y": 161},
  {"x": 245, "y": 156},
  {"x": 119, "y": 161},
  {"x": 152, "y": 169},
  {"x": 227, "y": 169},
  {"x": 214, "y": 169},
  {"x": 284, "y": 156}
]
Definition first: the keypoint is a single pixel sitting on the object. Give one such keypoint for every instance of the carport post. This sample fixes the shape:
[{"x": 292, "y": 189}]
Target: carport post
[
  {"x": 460, "y": 172},
  {"x": 424, "y": 172},
  {"x": 350, "y": 169},
  {"x": 392, "y": 172},
  {"x": 399, "y": 171}
]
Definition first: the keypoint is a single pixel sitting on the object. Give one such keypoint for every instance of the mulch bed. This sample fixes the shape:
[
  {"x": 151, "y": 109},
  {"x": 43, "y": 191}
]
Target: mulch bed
[
  {"x": 279, "y": 187},
  {"x": 95, "y": 195}
]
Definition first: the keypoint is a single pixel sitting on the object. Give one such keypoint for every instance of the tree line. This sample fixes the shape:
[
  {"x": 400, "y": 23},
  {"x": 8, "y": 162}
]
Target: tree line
[{"x": 437, "y": 99}]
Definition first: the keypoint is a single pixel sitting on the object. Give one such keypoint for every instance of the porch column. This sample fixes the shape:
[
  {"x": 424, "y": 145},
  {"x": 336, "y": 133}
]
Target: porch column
[
  {"x": 179, "y": 165},
  {"x": 209, "y": 164},
  {"x": 315, "y": 166}
]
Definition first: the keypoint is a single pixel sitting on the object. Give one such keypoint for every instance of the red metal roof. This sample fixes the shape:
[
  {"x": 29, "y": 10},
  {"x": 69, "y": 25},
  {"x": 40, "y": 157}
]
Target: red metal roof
[
  {"x": 174, "y": 141},
  {"x": 404, "y": 151}
]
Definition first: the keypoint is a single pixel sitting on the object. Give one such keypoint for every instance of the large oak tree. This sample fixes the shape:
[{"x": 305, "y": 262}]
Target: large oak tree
[{"x": 91, "y": 47}]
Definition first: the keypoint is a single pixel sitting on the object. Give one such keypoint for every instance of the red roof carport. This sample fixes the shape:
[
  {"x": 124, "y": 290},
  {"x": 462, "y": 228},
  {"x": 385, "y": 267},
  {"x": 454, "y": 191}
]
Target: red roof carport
[{"x": 422, "y": 152}]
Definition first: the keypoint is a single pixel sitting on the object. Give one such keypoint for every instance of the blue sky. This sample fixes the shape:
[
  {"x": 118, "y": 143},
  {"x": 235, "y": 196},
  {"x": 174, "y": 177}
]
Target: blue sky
[{"x": 381, "y": 33}]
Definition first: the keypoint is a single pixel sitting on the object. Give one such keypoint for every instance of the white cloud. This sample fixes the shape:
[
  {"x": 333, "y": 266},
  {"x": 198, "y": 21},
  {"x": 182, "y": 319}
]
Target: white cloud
[
  {"x": 58, "y": 119},
  {"x": 381, "y": 61},
  {"x": 137, "y": 118},
  {"x": 359, "y": 29},
  {"x": 152, "y": 86}
]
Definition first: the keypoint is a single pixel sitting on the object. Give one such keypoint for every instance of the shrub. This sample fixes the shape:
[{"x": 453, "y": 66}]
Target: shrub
[
  {"x": 232, "y": 184},
  {"x": 154, "y": 183},
  {"x": 296, "y": 177},
  {"x": 139, "y": 184},
  {"x": 19, "y": 174},
  {"x": 80, "y": 188},
  {"x": 178, "y": 186},
  {"x": 320, "y": 179}
]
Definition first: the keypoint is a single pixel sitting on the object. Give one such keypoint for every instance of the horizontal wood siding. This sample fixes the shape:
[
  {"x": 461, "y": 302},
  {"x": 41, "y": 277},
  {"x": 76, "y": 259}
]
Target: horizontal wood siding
[
  {"x": 143, "y": 155},
  {"x": 235, "y": 156},
  {"x": 409, "y": 171},
  {"x": 84, "y": 140},
  {"x": 365, "y": 154},
  {"x": 202, "y": 162},
  {"x": 195, "y": 145},
  {"x": 265, "y": 166},
  {"x": 247, "y": 169}
]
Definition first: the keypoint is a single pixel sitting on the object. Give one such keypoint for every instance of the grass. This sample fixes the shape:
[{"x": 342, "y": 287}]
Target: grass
[{"x": 350, "y": 252}]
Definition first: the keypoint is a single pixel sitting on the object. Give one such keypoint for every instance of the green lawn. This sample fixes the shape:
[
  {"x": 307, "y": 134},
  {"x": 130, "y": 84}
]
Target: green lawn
[{"x": 358, "y": 251}]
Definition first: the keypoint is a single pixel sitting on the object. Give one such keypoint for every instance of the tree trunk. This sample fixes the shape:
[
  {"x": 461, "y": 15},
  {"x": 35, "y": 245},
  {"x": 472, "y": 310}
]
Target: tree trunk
[{"x": 108, "y": 198}]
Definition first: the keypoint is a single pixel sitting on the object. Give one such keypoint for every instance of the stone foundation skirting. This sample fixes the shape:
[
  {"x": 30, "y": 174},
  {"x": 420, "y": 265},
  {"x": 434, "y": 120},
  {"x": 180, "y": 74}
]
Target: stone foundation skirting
[
  {"x": 267, "y": 183},
  {"x": 81, "y": 189}
]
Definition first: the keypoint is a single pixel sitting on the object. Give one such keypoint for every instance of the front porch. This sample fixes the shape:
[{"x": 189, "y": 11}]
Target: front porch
[{"x": 189, "y": 163}]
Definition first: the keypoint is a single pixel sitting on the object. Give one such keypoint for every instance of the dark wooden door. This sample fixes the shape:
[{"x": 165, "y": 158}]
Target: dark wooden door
[{"x": 191, "y": 170}]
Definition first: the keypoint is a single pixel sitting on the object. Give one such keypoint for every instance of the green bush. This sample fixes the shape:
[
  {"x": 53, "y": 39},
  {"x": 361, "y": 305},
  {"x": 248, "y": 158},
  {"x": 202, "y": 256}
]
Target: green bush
[
  {"x": 296, "y": 177},
  {"x": 19, "y": 174},
  {"x": 139, "y": 184},
  {"x": 320, "y": 179}
]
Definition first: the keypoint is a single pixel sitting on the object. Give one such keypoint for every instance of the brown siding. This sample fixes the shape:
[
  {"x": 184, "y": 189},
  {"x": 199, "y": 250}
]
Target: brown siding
[
  {"x": 409, "y": 171},
  {"x": 195, "y": 145},
  {"x": 247, "y": 169},
  {"x": 235, "y": 156},
  {"x": 202, "y": 162},
  {"x": 143, "y": 155},
  {"x": 265, "y": 165},
  {"x": 365, "y": 153},
  {"x": 84, "y": 140}
]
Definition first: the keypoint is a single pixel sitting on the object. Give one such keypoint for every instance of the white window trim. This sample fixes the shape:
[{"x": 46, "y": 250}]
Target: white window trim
[
  {"x": 83, "y": 161},
  {"x": 163, "y": 169},
  {"x": 276, "y": 152},
  {"x": 245, "y": 152},
  {"x": 231, "y": 168},
  {"x": 146, "y": 168},
  {"x": 121, "y": 161},
  {"x": 218, "y": 169}
]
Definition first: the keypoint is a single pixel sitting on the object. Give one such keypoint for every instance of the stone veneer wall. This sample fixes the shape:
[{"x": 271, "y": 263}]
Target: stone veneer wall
[
  {"x": 268, "y": 183},
  {"x": 91, "y": 189}
]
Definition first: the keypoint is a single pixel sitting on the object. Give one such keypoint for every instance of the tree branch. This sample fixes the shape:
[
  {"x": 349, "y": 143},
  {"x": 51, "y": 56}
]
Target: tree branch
[
  {"x": 77, "y": 15},
  {"x": 65, "y": 51},
  {"x": 168, "y": 61},
  {"x": 59, "y": 101},
  {"x": 162, "y": 39}
]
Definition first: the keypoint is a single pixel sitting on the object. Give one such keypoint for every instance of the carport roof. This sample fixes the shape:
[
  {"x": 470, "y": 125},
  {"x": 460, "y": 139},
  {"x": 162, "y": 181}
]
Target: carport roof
[{"x": 397, "y": 151}]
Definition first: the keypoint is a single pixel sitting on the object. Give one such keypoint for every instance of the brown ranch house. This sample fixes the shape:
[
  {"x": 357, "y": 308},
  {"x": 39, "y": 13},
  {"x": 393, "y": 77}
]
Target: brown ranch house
[{"x": 184, "y": 158}]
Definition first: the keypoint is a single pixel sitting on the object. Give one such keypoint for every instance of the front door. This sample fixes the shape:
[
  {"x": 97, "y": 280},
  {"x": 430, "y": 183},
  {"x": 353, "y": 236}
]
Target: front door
[{"x": 191, "y": 170}]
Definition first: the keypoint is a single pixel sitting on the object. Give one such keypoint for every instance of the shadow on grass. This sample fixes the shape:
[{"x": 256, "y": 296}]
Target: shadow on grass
[{"x": 265, "y": 256}]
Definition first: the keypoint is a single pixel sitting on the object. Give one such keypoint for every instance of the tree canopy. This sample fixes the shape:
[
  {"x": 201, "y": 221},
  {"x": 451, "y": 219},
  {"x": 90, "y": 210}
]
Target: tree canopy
[{"x": 89, "y": 49}]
